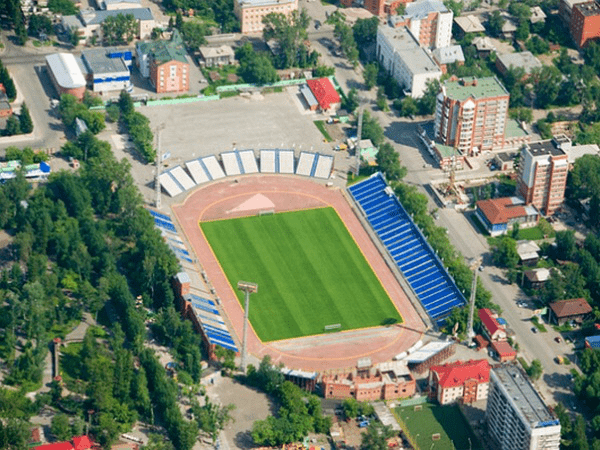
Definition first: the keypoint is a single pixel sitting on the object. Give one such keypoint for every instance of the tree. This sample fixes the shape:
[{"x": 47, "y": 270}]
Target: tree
[
  {"x": 372, "y": 130},
  {"x": 179, "y": 21},
  {"x": 255, "y": 67},
  {"x": 495, "y": 23},
  {"x": 376, "y": 436},
  {"x": 194, "y": 33},
  {"x": 350, "y": 407},
  {"x": 505, "y": 253},
  {"x": 350, "y": 101},
  {"x": 12, "y": 126},
  {"x": 119, "y": 29},
  {"x": 521, "y": 114},
  {"x": 565, "y": 245},
  {"x": 290, "y": 33},
  {"x": 60, "y": 427},
  {"x": 39, "y": 23},
  {"x": 370, "y": 75},
  {"x": 535, "y": 370},
  {"x": 546, "y": 85},
  {"x": 64, "y": 7},
  {"x": 212, "y": 418},
  {"x": 25, "y": 122},
  {"x": 426, "y": 104},
  {"x": 388, "y": 162}
]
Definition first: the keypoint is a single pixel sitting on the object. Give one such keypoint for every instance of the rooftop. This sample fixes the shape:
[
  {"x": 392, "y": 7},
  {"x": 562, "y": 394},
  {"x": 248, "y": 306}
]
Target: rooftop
[
  {"x": 409, "y": 50},
  {"x": 572, "y": 307},
  {"x": 501, "y": 210},
  {"x": 578, "y": 151},
  {"x": 513, "y": 129},
  {"x": 421, "y": 9},
  {"x": 324, "y": 92},
  {"x": 95, "y": 17},
  {"x": 116, "y": 2},
  {"x": 589, "y": 8},
  {"x": 97, "y": 61},
  {"x": 66, "y": 70},
  {"x": 524, "y": 397},
  {"x": 537, "y": 14},
  {"x": 525, "y": 60},
  {"x": 448, "y": 55},
  {"x": 477, "y": 88},
  {"x": 426, "y": 352},
  {"x": 483, "y": 44},
  {"x": 447, "y": 151},
  {"x": 458, "y": 372},
  {"x": 469, "y": 24},
  {"x": 213, "y": 52},
  {"x": 538, "y": 275},
  {"x": 503, "y": 348},
  {"x": 489, "y": 321},
  {"x": 593, "y": 341},
  {"x": 164, "y": 51},
  {"x": 253, "y": 3},
  {"x": 545, "y": 148}
]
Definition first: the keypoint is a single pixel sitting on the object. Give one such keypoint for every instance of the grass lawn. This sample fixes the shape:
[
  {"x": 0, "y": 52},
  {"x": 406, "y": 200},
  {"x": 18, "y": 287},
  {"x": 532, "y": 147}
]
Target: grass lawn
[
  {"x": 309, "y": 272},
  {"x": 448, "y": 421},
  {"x": 531, "y": 234},
  {"x": 321, "y": 126}
]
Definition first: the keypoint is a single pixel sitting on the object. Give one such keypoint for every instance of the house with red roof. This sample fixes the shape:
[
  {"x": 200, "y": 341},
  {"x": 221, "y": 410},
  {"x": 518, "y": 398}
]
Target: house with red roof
[
  {"x": 324, "y": 93},
  {"x": 498, "y": 215},
  {"x": 78, "y": 443},
  {"x": 492, "y": 329},
  {"x": 573, "y": 310},
  {"x": 462, "y": 381},
  {"x": 504, "y": 351}
]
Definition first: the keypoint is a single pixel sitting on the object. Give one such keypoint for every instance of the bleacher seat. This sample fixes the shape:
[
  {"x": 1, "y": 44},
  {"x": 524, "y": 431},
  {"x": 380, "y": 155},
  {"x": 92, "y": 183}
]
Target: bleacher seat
[{"x": 408, "y": 247}]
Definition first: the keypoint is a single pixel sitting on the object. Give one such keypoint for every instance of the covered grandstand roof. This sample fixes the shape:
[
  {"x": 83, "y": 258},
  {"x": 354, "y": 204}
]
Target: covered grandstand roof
[{"x": 66, "y": 71}]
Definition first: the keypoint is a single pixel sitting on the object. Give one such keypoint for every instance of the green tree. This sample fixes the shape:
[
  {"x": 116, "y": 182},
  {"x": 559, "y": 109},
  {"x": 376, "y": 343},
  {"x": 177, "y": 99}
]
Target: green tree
[
  {"x": 426, "y": 103},
  {"x": 535, "y": 369},
  {"x": 289, "y": 31},
  {"x": 350, "y": 101},
  {"x": 505, "y": 253},
  {"x": 376, "y": 436},
  {"x": 64, "y": 7},
  {"x": 350, "y": 406},
  {"x": 119, "y": 30},
  {"x": 495, "y": 23},
  {"x": 60, "y": 427},
  {"x": 546, "y": 85},
  {"x": 371, "y": 129},
  {"x": 255, "y": 67},
  {"x": 194, "y": 33},
  {"x": 212, "y": 418},
  {"x": 521, "y": 114},
  {"x": 39, "y": 23},
  {"x": 389, "y": 163},
  {"x": 565, "y": 245},
  {"x": 25, "y": 122},
  {"x": 370, "y": 75},
  {"x": 12, "y": 126}
]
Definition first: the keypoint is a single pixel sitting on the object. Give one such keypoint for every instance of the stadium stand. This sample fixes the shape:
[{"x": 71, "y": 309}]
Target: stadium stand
[
  {"x": 213, "y": 326},
  {"x": 231, "y": 163},
  {"x": 182, "y": 177},
  {"x": 197, "y": 171},
  {"x": 248, "y": 161},
  {"x": 267, "y": 161},
  {"x": 306, "y": 164},
  {"x": 407, "y": 246},
  {"x": 169, "y": 184},
  {"x": 213, "y": 168},
  {"x": 285, "y": 162},
  {"x": 323, "y": 167}
]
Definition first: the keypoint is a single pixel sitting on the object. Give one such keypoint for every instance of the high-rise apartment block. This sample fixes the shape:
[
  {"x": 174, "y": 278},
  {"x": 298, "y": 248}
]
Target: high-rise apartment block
[
  {"x": 585, "y": 22},
  {"x": 516, "y": 415},
  {"x": 429, "y": 21},
  {"x": 471, "y": 114},
  {"x": 543, "y": 171}
]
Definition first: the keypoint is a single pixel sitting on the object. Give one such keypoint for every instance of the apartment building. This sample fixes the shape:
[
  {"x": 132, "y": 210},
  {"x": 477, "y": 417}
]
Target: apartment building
[
  {"x": 408, "y": 63},
  {"x": 542, "y": 174},
  {"x": 429, "y": 21},
  {"x": 585, "y": 22},
  {"x": 471, "y": 114},
  {"x": 165, "y": 63},
  {"x": 565, "y": 10},
  {"x": 459, "y": 381},
  {"x": 516, "y": 416},
  {"x": 251, "y": 12}
]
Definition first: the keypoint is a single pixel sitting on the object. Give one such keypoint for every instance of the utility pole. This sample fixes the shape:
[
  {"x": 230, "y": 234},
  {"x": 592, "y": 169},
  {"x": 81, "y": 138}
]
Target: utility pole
[
  {"x": 248, "y": 288},
  {"x": 474, "y": 267},
  {"x": 361, "y": 111},
  {"x": 158, "y": 165}
]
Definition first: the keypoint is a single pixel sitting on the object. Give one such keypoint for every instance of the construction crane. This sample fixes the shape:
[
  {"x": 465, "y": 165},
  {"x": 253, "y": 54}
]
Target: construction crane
[{"x": 474, "y": 267}]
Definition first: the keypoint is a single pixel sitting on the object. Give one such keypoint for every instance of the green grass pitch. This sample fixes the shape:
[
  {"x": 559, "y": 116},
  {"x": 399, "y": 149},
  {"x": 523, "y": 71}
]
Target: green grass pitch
[
  {"x": 448, "y": 421},
  {"x": 309, "y": 271}
]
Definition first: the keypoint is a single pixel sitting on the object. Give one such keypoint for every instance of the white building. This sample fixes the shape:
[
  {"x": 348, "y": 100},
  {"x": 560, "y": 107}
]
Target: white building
[
  {"x": 107, "y": 69},
  {"x": 430, "y": 22},
  {"x": 517, "y": 418},
  {"x": 409, "y": 64}
]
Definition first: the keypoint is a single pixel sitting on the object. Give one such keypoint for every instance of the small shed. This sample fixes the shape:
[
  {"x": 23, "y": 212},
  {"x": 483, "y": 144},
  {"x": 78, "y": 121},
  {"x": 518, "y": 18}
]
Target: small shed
[
  {"x": 504, "y": 351},
  {"x": 536, "y": 278}
]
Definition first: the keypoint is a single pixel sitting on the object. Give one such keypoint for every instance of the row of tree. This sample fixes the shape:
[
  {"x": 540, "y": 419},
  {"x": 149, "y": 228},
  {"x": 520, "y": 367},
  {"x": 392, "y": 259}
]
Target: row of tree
[
  {"x": 8, "y": 83},
  {"x": 138, "y": 128},
  {"x": 19, "y": 123}
]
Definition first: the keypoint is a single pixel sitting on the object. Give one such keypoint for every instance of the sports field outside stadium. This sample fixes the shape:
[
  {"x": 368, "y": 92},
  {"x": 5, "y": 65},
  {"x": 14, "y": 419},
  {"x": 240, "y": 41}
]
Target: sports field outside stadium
[{"x": 309, "y": 270}]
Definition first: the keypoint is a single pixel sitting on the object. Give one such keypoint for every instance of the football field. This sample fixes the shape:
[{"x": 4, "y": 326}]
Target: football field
[{"x": 310, "y": 273}]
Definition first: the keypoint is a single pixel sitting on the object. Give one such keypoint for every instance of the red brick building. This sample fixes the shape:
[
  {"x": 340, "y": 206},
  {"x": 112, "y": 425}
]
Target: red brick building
[
  {"x": 459, "y": 381},
  {"x": 386, "y": 381},
  {"x": 380, "y": 8},
  {"x": 471, "y": 114},
  {"x": 585, "y": 22},
  {"x": 504, "y": 351}
]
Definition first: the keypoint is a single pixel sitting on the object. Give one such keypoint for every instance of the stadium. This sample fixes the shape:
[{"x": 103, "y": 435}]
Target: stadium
[{"x": 343, "y": 273}]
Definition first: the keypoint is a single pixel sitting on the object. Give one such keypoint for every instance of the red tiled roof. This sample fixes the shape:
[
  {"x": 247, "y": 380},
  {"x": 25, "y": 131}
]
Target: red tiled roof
[
  {"x": 500, "y": 210},
  {"x": 488, "y": 320},
  {"x": 82, "y": 443},
  {"x": 458, "y": 372},
  {"x": 573, "y": 307},
  {"x": 324, "y": 92},
  {"x": 56, "y": 446},
  {"x": 503, "y": 348}
]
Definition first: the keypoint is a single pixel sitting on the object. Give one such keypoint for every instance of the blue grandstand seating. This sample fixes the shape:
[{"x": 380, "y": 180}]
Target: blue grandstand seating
[
  {"x": 201, "y": 300},
  {"x": 168, "y": 226},
  {"x": 160, "y": 216},
  {"x": 408, "y": 247}
]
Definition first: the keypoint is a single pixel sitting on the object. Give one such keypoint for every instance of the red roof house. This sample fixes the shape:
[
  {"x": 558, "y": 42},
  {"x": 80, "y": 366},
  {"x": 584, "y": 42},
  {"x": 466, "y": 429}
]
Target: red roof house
[
  {"x": 466, "y": 381},
  {"x": 325, "y": 93},
  {"x": 504, "y": 351},
  {"x": 492, "y": 329},
  {"x": 79, "y": 443},
  {"x": 576, "y": 309},
  {"x": 82, "y": 443},
  {"x": 499, "y": 214}
]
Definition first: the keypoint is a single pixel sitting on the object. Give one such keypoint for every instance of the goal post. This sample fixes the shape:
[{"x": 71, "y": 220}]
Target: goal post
[
  {"x": 266, "y": 212},
  {"x": 333, "y": 327}
]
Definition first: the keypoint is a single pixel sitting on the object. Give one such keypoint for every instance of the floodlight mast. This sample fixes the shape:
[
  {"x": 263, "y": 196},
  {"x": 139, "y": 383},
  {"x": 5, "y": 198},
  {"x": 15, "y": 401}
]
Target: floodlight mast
[{"x": 248, "y": 288}]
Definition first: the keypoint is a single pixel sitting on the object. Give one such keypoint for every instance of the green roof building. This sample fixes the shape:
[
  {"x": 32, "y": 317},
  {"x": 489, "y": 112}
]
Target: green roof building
[{"x": 471, "y": 114}]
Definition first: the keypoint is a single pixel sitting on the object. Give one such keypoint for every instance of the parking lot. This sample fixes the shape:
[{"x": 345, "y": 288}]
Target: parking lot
[{"x": 198, "y": 129}]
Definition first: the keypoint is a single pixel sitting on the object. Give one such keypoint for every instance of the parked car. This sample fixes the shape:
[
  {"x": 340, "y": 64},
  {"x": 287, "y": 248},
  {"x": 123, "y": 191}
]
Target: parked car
[
  {"x": 558, "y": 339},
  {"x": 534, "y": 330}
]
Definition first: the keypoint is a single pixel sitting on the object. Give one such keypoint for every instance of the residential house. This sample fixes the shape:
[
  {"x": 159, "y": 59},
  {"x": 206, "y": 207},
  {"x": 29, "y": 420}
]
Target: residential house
[
  {"x": 216, "y": 56},
  {"x": 503, "y": 351},
  {"x": 468, "y": 24},
  {"x": 574, "y": 310},
  {"x": 523, "y": 60},
  {"x": 492, "y": 329},
  {"x": 165, "y": 62},
  {"x": 459, "y": 381},
  {"x": 537, "y": 15},
  {"x": 528, "y": 252},
  {"x": 77, "y": 443},
  {"x": 536, "y": 278},
  {"x": 484, "y": 46}
]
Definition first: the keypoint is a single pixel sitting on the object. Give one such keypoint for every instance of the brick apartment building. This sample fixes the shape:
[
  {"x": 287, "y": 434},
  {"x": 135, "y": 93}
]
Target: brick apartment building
[
  {"x": 542, "y": 174},
  {"x": 585, "y": 22},
  {"x": 251, "y": 12},
  {"x": 386, "y": 381},
  {"x": 379, "y": 8},
  {"x": 471, "y": 114},
  {"x": 462, "y": 381},
  {"x": 429, "y": 21},
  {"x": 165, "y": 63}
]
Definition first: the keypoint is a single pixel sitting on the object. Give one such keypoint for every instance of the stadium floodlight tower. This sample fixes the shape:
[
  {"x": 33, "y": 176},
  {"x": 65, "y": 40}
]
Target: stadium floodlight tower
[
  {"x": 475, "y": 264},
  {"x": 248, "y": 288}
]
